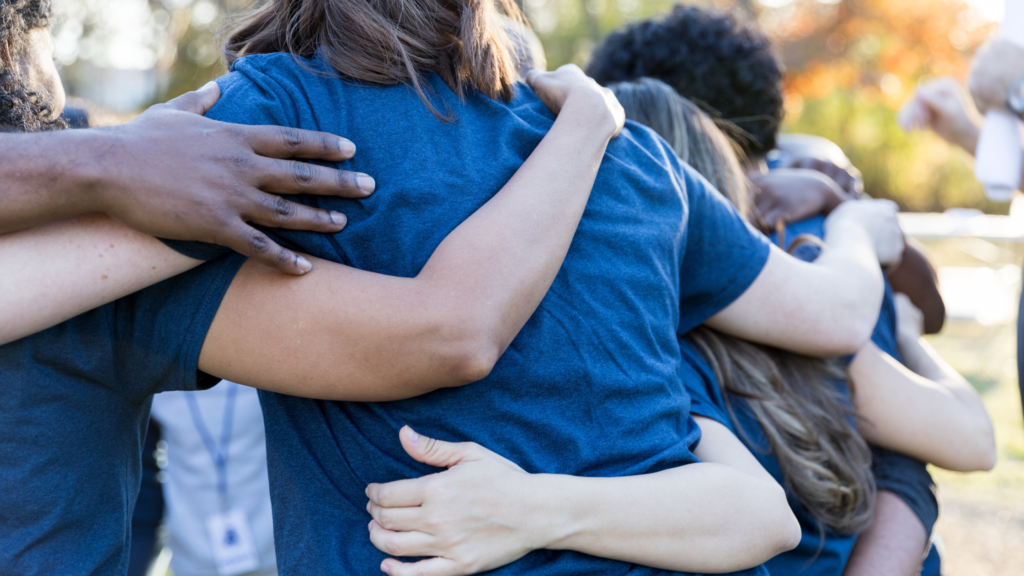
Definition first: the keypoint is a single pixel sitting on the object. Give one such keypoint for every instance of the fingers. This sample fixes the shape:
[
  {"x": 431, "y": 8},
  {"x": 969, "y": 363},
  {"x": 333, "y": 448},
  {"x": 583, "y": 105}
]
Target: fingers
[
  {"x": 397, "y": 494},
  {"x": 250, "y": 242},
  {"x": 430, "y": 567},
  {"x": 400, "y": 543},
  {"x": 292, "y": 177},
  {"x": 277, "y": 212},
  {"x": 281, "y": 142},
  {"x": 397, "y": 519},
  {"x": 198, "y": 101},
  {"x": 436, "y": 452}
]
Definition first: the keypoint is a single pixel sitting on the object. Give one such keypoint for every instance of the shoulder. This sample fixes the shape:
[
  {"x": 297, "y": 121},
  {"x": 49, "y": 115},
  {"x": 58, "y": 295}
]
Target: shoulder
[{"x": 266, "y": 89}]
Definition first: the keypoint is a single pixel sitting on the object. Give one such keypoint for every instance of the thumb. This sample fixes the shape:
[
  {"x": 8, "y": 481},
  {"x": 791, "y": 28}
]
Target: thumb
[
  {"x": 436, "y": 452},
  {"x": 198, "y": 101}
]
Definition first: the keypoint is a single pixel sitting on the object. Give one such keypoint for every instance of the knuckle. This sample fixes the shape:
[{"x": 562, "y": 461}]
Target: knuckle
[
  {"x": 290, "y": 139},
  {"x": 281, "y": 208},
  {"x": 303, "y": 173},
  {"x": 241, "y": 162},
  {"x": 393, "y": 547},
  {"x": 258, "y": 242}
]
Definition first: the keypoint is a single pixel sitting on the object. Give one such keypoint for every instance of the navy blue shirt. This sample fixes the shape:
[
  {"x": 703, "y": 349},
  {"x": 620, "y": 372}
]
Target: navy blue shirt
[
  {"x": 76, "y": 402},
  {"x": 590, "y": 387}
]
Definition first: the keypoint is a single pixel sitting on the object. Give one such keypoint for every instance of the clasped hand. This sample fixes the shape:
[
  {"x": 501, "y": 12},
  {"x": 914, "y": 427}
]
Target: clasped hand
[{"x": 460, "y": 518}]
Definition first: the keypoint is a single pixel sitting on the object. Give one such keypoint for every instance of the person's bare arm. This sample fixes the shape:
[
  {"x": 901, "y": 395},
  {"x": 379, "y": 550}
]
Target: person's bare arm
[
  {"x": 723, "y": 514},
  {"x": 925, "y": 409},
  {"x": 828, "y": 307},
  {"x": 894, "y": 543},
  {"x": 174, "y": 174},
  {"x": 55, "y": 272},
  {"x": 346, "y": 334}
]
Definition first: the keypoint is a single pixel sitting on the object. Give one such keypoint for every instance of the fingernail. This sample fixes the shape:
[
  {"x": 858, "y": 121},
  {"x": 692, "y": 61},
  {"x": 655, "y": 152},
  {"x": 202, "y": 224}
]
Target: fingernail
[
  {"x": 414, "y": 438},
  {"x": 366, "y": 183},
  {"x": 367, "y": 506},
  {"x": 339, "y": 219},
  {"x": 303, "y": 264},
  {"x": 385, "y": 569},
  {"x": 347, "y": 147},
  {"x": 208, "y": 86}
]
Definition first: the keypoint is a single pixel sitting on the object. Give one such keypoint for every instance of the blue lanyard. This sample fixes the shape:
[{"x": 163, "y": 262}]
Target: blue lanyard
[{"x": 219, "y": 454}]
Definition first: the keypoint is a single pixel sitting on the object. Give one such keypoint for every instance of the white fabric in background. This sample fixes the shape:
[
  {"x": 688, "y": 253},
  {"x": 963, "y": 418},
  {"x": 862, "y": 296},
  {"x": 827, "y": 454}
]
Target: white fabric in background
[{"x": 190, "y": 487}]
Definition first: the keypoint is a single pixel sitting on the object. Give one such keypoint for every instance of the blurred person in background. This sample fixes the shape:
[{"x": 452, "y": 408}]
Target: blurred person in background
[
  {"x": 216, "y": 461},
  {"x": 944, "y": 107},
  {"x": 727, "y": 65}
]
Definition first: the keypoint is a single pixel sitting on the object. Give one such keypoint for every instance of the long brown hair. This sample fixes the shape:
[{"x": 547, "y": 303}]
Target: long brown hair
[
  {"x": 807, "y": 421},
  {"x": 389, "y": 41}
]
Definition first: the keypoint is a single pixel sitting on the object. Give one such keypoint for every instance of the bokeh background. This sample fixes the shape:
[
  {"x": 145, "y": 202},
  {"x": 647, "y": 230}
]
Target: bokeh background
[{"x": 850, "y": 65}]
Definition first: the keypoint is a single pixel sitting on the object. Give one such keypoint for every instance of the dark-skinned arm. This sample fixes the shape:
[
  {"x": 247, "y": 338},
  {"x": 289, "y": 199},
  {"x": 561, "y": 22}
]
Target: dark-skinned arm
[
  {"x": 174, "y": 174},
  {"x": 345, "y": 334},
  {"x": 915, "y": 277}
]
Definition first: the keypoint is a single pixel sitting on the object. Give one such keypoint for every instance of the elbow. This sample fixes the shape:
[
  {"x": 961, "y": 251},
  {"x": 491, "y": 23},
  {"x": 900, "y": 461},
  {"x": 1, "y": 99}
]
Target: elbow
[
  {"x": 985, "y": 455},
  {"x": 849, "y": 334},
  {"x": 787, "y": 531},
  {"x": 978, "y": 453},
  {"x": 472, "y": 351},
  {"x": 475, "y": 360}
]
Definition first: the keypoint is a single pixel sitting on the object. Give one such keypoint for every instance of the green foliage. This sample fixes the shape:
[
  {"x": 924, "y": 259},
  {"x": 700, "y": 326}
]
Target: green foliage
[{"x": 919, "y": 171}]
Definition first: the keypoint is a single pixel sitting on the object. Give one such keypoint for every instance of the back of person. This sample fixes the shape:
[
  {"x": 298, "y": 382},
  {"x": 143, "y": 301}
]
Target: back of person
[{"x": 598, "y": 360}]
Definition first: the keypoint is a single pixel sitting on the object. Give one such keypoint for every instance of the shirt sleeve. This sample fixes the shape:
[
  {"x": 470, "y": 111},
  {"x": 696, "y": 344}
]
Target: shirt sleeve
[
  {"x": 722, "y": 257},
  {"x": 705, "y": 395},
  {"x": 158, "y": 332}
]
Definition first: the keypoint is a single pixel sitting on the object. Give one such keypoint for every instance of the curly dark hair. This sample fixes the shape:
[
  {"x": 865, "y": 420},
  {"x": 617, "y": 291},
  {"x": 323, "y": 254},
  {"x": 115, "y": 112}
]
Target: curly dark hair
[
  {"x": 718, "y": 60},
  {"x": 23, "y": 109}
]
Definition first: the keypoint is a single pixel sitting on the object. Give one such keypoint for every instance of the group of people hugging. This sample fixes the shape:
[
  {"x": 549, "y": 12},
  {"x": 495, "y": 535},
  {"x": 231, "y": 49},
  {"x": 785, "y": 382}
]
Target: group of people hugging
[{"x": 554, "y": 324}]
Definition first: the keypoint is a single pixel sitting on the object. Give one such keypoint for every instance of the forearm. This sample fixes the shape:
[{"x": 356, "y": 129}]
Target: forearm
[
  {"x": 494, "y": 269},
  {"x": 703, "y": 517},
  {"x": 47, "y": 177},
  {"x": 392, "y": 338},
  {"x": 825, "y": 308},
  {"x": 935, "y": 417},
  {"x": 893, "y": 544},
  {"x": 55, "y": 272},
  {"x": 922, "y": 359}
]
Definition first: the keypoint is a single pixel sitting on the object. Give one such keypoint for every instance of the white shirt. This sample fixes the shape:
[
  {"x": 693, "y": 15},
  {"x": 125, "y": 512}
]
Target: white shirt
[{"x": 190, "y": 488}]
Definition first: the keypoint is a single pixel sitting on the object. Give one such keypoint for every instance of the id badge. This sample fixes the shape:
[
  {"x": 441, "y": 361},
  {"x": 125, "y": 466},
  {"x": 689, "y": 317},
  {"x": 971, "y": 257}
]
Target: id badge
[{"x": 234, "y": 550}]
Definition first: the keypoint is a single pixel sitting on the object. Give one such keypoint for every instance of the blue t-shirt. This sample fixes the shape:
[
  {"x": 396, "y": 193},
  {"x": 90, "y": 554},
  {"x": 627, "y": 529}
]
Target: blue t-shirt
[
  {"x": 813, "y": 555},
  {"x": 590, "y": 387},
  {"x": 76, "y": 402}
]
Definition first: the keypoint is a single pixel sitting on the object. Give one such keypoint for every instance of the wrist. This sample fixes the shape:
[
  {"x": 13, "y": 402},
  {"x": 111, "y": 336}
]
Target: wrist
[
  {"x": 552, "y": 516},
  {"x": 99, "y": 170},
  {"x": 591, "y": 107}
]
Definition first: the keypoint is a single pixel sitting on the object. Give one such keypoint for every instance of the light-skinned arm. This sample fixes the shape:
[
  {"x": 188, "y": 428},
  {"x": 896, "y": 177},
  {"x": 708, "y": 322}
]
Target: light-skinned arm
[
  {"x": 174, "y": 174},
  {"x": 828, "y": 307},
  {"x": 924, "y": 409},
  {"x": 346, "y": 334},
  {"x": 720, "y": 515},
  {"x": 509, "y": 252}
]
